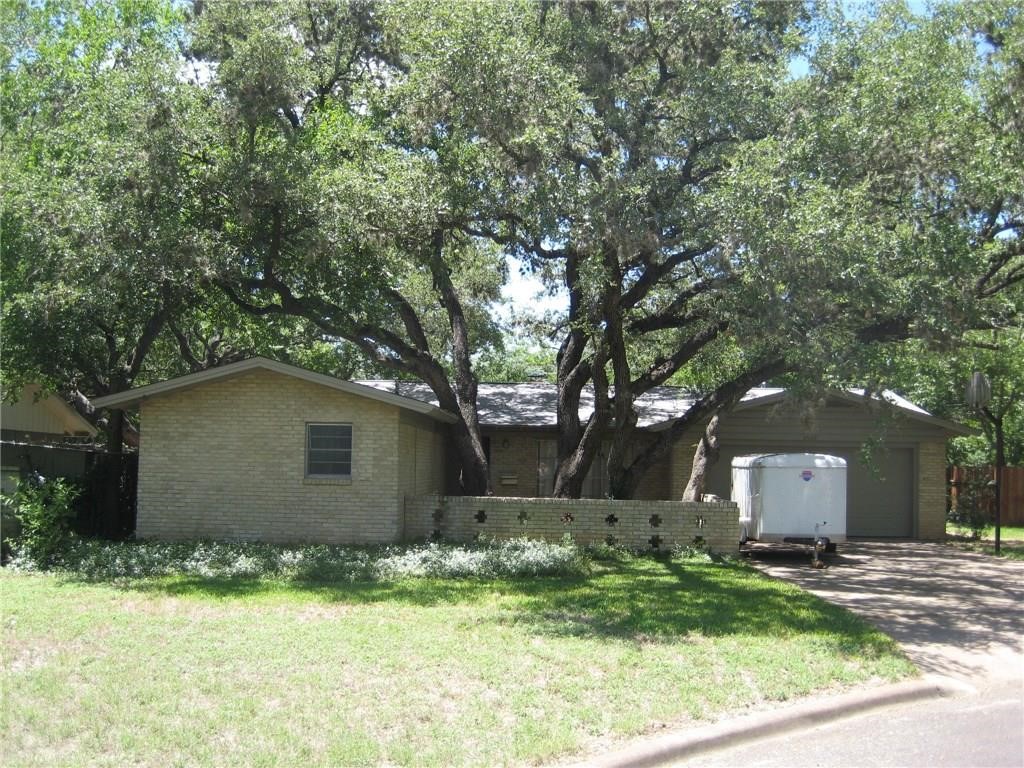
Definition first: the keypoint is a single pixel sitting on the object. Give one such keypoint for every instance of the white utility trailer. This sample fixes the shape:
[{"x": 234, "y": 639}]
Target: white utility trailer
[{"x": 791, "y": 497}]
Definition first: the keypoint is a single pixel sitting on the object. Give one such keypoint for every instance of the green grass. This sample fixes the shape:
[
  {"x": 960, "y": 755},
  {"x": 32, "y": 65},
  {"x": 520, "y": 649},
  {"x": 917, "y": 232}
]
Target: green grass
[
  {"x": 1011, "y": 539},
  {"x": 1006, "y": 532},
  {"x": 188, "y": 670}
]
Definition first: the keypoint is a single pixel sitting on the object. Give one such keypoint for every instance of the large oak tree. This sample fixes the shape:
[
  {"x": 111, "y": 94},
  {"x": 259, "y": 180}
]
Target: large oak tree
[{"x": 709, "y": 216}]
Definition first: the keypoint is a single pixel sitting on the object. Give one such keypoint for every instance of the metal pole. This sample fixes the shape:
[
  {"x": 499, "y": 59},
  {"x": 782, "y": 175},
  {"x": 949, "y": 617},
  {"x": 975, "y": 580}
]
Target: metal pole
[{"x": 1000, "y": 461}]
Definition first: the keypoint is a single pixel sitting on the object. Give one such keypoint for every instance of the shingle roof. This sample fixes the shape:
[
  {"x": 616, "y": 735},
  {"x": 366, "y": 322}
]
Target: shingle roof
[
  {"x": 534, "y": 404},
  {"x": 530, "y": 405}
]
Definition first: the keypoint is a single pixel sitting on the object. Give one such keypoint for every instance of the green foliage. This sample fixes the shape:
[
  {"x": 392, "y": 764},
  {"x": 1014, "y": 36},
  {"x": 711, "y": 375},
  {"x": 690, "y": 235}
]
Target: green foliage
[
  {"x": 974, "y": 501},
  {"x": 696, "y": 551},
  {"x": 186, "y": 185},
  {"x": 44, "y": 511},
  {"x": 517, "y": 363},
  {"x": 336, "y": 215},
  {"x": 106, "y": 162},
  {"x": 95, "y": 559},
  {"x": 936, "y": 377}
]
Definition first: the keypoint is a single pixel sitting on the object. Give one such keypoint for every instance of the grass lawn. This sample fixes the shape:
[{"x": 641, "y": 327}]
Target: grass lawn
[
  {"x": 1011, "y": 539},
  {"x": 239, "y": 671}
]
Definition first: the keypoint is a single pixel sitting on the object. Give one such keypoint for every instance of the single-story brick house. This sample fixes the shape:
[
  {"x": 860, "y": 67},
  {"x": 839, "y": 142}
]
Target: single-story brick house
[{"x": 263, "y": 450}]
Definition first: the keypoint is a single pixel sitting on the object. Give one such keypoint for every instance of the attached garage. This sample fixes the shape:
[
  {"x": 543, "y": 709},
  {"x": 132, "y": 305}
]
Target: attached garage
[
  {"x": 894, "y": 491},
  {"x": 880, "y": 500}
]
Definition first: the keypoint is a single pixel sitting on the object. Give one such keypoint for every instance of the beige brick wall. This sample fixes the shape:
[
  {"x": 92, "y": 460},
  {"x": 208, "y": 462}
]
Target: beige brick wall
[
  {"x": 514, "y": 465},
  {"x": 931, "y": 491},
  {"x": 422, "y": 451},
  {"x": 656, "y": 484},
  {"x": 681, "y": 465},
  {"x": 514, "y": 459},
  {"x": 589, "y": 521},
  {"x": 226, "y": 460}
]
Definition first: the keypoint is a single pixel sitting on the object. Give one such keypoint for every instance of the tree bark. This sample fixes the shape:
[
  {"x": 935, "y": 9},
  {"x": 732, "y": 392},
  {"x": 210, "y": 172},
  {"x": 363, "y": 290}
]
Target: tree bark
[
  {"x": 476, "y": 476},
  {"x": 722, "y": 399},
  {"x": 705, "y": 457},
  {"x": 624, "y": 404},
  {"x": 84, "y": 408},
  {"x": 572, "y": 471},
  {"x": 574, "y": 370}
]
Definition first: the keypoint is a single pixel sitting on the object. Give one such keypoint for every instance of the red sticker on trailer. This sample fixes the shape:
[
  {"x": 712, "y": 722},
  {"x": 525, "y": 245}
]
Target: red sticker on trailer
[{"x": 806, "y": 475}]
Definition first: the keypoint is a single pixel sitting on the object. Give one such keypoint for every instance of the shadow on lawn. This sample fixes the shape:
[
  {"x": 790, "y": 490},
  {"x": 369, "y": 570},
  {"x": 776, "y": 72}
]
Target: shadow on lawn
[
  {"x": 643, "y": 599},
  {"x": 701, "y": 600}
]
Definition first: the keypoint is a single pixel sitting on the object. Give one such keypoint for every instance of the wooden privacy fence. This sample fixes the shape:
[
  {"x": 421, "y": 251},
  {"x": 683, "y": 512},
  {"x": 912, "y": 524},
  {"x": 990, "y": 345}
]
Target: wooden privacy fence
[
  {"x": 1011, "y": 490},
  {"x": 108, "y": 482}
]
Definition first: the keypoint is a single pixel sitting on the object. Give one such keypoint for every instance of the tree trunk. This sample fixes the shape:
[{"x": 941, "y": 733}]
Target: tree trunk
[
  {"x": 475, "y": 476},
  {"x": 573, "y": 373},
  {"x": 573, "y": 469},
  {"x": 571, "y": 474},
  {"x": 722, "y": 399},
  {"x": 705, "y": 457}
]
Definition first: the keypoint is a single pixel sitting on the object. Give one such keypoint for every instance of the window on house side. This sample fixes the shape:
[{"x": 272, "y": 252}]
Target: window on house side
[{"x": 328, "y": 450}]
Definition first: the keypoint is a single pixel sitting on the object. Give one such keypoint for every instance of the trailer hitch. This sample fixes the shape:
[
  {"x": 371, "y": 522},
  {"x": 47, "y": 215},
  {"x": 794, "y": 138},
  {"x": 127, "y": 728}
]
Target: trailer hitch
[{"x": 821, "y": 544}]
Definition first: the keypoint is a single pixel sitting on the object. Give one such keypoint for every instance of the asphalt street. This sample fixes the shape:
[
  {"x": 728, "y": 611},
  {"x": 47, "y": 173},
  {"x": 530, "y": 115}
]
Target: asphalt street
[
  {"x": 981, "y": 729},
  {"x": 960, "y": 618}
]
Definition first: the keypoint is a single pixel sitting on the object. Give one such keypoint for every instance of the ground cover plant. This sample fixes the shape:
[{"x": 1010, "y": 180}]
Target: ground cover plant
[
  {"x": 96, "y": 559},
  {"x": 214, "y": 663}
]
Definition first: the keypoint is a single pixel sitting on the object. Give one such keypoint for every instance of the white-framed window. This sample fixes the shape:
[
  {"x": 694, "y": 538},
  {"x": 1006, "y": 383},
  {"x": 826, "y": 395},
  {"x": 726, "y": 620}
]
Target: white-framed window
[{"x": 328, "y": 450}]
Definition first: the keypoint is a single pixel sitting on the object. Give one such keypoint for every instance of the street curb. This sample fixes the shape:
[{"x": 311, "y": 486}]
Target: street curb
[{"x": 742, "y": 730}]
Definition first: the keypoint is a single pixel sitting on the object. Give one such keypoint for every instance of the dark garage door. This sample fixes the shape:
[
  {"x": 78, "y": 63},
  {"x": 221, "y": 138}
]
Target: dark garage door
[{"x": 879, "y": 503}]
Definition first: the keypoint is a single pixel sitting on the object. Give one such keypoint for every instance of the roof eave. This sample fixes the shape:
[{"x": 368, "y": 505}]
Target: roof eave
[
  {"x": 951, "y": 427},
  {"x": 955, "y": 429},
  {"x": 134, "y": 397},
  {"x": 72, "y": 417}
]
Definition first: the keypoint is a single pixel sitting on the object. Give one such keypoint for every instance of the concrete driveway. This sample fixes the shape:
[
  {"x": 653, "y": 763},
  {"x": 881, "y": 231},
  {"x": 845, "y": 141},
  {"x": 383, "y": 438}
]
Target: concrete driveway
[{"x": 957, "y": 614}]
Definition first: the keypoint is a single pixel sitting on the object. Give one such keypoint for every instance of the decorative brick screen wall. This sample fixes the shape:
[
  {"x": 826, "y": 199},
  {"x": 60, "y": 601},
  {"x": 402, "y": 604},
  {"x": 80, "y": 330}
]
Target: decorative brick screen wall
[{"x": 636, "y": 524}]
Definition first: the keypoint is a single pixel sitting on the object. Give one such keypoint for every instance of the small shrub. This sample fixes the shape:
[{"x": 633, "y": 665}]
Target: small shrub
[
  {"x": 608, "y": 552},
  {"x": 44, "y": 511},
  {"x": 698, "y": 551},
  {"x": 512, "y": 558},
  {"x": 973, "y": 504}
]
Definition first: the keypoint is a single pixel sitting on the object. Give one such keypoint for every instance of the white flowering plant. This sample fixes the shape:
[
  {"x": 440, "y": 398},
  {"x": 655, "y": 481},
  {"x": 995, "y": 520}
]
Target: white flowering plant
[{"x": 100, "y": 560}]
